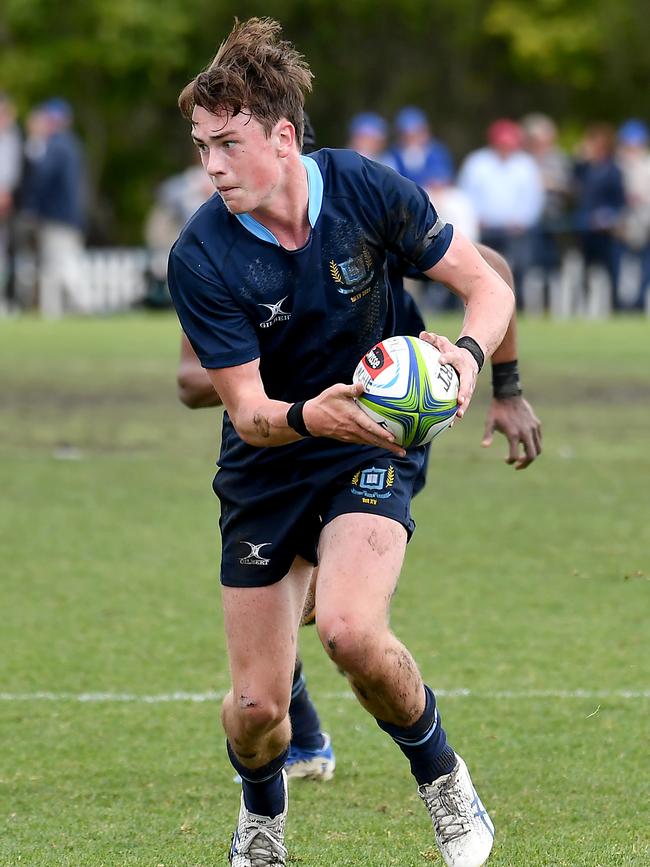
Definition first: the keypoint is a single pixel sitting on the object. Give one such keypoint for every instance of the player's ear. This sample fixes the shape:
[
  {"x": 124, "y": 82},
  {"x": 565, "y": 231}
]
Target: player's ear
[{"x": 285, "y": 135}]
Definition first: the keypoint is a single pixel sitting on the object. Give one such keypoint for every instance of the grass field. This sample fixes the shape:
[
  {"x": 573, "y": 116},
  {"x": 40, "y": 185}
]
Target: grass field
[{"x": 524, "y": 598}]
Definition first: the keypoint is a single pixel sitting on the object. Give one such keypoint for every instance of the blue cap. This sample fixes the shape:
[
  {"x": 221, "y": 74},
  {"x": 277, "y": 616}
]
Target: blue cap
[
  {"x": 368, "y": 123},
  {"x": 633, "y": 132},
  {"x": 410, "y": 119},
  {"x": 58, "y": 107}
]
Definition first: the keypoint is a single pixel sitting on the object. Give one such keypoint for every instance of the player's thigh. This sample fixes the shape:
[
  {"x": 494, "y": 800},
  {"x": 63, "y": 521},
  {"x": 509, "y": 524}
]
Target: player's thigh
[
  {"x": 261, "y": 625},
  {"x": 367, "y": 522},
  {"x": 361, "y": 556}
]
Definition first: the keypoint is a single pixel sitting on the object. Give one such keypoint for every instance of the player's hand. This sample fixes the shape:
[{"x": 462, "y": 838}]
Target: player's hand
[
  {"x": 515, "y": 419},
  {"x": 335, "y": 414},
  {"x": 463, "y": 363}
]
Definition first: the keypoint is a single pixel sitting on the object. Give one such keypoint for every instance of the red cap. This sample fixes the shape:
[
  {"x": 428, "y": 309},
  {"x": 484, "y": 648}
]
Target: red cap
[{"x": 505, "y": 134}]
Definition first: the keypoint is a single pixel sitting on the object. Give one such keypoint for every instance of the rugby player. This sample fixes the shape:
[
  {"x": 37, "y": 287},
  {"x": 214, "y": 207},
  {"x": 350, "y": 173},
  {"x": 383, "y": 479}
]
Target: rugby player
[{"x": 280, "y": 284}]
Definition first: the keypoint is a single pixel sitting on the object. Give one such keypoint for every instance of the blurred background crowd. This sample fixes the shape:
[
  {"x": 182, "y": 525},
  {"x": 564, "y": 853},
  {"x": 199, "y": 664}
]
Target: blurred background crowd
[
  {"x": 103, "y": 177},
  {"x": 560, "y": 217}
]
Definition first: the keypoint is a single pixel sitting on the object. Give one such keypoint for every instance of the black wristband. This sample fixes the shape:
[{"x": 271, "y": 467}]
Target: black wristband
[
  {"x": 473, "y": 348},
  {"x": 295, "y": 419},
  {"x": 505, "y": 379}
]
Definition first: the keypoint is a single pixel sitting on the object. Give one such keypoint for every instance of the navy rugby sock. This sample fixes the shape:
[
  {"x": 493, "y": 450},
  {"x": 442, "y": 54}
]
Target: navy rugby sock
[
  {"x": 263, "y": 787},
  {"x": 305, "y": 724},
  {"x": 424, "y": 743}
]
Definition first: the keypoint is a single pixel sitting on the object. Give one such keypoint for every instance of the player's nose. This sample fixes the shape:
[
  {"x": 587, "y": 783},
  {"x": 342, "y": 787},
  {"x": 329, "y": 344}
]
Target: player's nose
[{"x": 215, "y": 163}]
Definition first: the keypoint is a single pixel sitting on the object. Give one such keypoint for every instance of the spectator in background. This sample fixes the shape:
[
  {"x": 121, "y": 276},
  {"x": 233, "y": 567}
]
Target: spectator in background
[
  {"x": 54, "y": 195},
  {"x": 634, "y": 160},
  {"x": 506, "y": 187},
  {"x": 600, "y": 202},
  {"x": 453, "y": 206},
  {"x": 368, "y": 136},
  {"x": 176, "y": 199},
  {"x": 10, "y": 168},
  {"x": 417, "y": 155},
  {"x": 555, "y": 166}
]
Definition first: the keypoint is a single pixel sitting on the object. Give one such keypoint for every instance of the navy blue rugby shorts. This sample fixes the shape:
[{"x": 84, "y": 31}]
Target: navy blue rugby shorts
[{"x": 269, "y": 518}]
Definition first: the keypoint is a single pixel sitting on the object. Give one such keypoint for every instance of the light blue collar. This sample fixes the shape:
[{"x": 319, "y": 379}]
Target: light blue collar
[{"x": 315, "y": 191}]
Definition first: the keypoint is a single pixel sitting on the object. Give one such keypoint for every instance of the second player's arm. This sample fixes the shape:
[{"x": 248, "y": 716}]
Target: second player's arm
[
  {"x": 195, "y": 388},
  {"x": 510, "y": 414},
  {"x": 489, "y": 307}
]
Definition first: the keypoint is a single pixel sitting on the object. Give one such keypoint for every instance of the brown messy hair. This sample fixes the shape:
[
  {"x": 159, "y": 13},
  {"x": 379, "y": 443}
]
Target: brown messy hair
[{"x": 256, "y": 71}]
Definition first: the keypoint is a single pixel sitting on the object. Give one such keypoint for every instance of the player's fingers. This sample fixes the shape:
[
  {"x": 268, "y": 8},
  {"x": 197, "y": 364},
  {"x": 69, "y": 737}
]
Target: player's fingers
[
  {"x": 513, "y": 452},
  {"x": 462, "y": 406},
  {"x": 382, "y": 442},
  {"x": 530, "y": 452},
  {"x": 488, "y": 434},
  {"x": 441, "y": 343},
  {"x": 530, "y": 447},
  {"x": 374, "y": 434},
  {"x": 537, "y": 436},
  {"x": 369, "y": 428},
  {"x": 465, "y": 391},
  {"x": 394, "y": 448},
  {"x": 354, "y": 390}
]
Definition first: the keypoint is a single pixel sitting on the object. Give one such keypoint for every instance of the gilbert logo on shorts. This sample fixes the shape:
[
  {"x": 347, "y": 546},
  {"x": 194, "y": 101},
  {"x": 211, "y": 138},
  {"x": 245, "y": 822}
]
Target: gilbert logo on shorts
[
  {"x": 253, "y": 558},
  {"x": 277, "y": 314},
  {"x": 377, "y": 360}
]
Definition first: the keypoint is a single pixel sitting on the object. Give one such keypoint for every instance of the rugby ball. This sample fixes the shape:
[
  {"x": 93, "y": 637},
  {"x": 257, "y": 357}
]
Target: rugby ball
[{"x": 407, "y": 390}]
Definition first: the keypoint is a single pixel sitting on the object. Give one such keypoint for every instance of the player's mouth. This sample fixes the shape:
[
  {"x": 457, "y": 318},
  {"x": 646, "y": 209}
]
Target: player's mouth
[{"x": 224, "y": 191}]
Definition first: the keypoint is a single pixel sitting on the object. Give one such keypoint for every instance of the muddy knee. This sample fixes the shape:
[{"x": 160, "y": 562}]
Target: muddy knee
[
  {"x": 257, "y": 715},
  {"x": 350, "y": 645}
]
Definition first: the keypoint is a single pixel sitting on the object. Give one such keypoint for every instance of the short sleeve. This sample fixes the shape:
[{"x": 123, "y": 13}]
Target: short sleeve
[
  {"x": 412, "y": 228},
  {"x": 219, "y": 330}
]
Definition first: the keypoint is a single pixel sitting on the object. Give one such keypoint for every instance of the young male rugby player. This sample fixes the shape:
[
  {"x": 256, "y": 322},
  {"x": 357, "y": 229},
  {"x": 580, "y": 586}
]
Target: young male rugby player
[{"x": 280, "y": 285}]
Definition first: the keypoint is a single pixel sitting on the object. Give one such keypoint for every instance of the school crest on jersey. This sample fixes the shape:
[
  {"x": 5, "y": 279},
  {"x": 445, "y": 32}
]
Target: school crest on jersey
[{"x": 354, "y": 274}]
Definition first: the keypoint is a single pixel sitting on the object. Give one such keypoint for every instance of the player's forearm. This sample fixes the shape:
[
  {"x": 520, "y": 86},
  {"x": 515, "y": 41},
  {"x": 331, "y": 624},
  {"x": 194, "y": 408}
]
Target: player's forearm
[
  {"x": 489, "y": 301},
  {"x": 263, "y": 425},
  {"x": 507, "y": 349},
  {"x": 195, "y": 389},
  {"x": 488, "y": 314}
]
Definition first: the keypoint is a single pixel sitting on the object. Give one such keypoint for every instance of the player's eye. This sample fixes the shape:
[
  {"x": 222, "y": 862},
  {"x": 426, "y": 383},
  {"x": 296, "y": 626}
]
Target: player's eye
[{"x": 229, "y": 145}]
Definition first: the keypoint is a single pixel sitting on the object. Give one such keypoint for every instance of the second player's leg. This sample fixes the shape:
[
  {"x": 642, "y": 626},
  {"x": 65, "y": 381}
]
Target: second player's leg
[{"x": 360, "y": 560}]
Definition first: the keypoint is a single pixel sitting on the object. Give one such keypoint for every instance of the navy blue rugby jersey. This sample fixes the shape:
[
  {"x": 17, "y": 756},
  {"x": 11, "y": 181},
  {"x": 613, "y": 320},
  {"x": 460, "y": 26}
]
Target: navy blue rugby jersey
[{"x": 309, "y": 314}]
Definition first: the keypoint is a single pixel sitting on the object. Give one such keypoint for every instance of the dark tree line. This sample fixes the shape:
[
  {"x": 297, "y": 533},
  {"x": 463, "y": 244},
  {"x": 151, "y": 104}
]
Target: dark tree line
[{"x": 121, "y": 64}]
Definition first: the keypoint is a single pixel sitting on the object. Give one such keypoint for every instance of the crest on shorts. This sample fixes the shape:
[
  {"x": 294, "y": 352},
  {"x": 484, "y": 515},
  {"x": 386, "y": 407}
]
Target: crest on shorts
[{"x": 373, "y": 484}]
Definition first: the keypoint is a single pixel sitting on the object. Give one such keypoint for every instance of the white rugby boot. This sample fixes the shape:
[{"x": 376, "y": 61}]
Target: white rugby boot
[
  {"x": 464, "y": 831},
  {"x": 259, "y": 840}
]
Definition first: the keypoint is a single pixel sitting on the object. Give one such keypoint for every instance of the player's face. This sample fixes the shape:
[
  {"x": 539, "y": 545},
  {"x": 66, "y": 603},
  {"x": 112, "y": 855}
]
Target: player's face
[{"x": 243, "y": 163}]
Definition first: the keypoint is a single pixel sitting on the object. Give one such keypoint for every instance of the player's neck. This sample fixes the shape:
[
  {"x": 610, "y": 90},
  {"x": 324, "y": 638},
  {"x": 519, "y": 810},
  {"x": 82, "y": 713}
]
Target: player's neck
[{"x": 286, "y": 211}]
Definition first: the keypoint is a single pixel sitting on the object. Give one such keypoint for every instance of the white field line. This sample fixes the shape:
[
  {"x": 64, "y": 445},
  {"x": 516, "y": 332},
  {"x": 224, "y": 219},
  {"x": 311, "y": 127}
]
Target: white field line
[{"x": 180, "y": 696}]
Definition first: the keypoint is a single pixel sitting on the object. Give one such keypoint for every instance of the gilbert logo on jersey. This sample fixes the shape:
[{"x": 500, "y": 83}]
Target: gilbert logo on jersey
[{"x": 277, "y": 314}]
